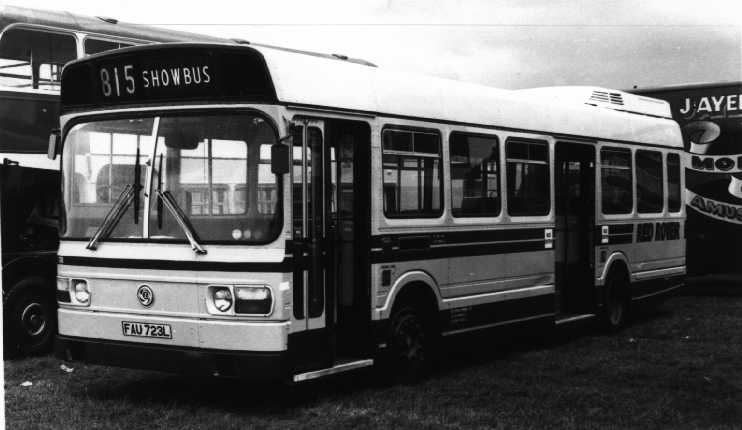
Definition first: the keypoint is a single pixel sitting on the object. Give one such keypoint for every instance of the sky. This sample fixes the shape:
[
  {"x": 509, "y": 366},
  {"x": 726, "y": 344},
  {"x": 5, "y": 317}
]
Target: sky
[{"x": 507, "y": 44}]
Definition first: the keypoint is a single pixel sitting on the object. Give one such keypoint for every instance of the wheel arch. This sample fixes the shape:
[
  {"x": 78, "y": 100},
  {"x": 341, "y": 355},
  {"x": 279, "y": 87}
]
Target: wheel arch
[
  {"x": 616, "y": 261},
  {"x": 412, "y": 283},
  {"x": 24, "y": 268}
]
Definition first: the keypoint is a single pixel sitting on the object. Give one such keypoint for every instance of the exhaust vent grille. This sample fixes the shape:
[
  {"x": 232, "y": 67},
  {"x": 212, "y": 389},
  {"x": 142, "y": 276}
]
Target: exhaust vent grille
[{"x": 606, "y": 97}]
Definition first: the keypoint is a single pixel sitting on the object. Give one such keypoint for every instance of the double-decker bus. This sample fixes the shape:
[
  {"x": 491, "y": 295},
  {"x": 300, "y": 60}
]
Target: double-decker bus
[
  {"x": 34, "y": 45},
  {"x": 265, "y": 213}
]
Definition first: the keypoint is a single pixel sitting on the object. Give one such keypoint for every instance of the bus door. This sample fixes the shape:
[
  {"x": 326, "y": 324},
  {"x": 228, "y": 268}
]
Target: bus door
[
  {"x": 575, "y": 224},
  {"x": 329, "y": 224},
  {"x": 309, "y": 223}
]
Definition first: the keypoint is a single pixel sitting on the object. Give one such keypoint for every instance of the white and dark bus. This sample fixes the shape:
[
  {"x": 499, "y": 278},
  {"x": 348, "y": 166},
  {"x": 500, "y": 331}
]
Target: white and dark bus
[
  {"x": 264, "y": 213},
  {"x": 34, "y": 46}
]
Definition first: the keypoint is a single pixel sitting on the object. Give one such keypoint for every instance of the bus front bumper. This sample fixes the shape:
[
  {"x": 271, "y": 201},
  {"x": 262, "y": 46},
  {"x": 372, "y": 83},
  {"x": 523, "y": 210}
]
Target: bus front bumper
[{"x": 253, "y": 365}]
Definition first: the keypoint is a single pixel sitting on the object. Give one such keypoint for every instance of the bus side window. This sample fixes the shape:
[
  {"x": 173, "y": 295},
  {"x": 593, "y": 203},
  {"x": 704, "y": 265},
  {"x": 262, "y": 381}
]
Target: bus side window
[
  {"x": 34, "y": 59},
  {"x": 673, "y": 183},
  {"x": 616, "y": 181},
  {"x": 412, "y": 173},
  {"x": 528, "y": 177},
  {"x": 475, "y": 175},
  {"x": 649, "y": 198}
]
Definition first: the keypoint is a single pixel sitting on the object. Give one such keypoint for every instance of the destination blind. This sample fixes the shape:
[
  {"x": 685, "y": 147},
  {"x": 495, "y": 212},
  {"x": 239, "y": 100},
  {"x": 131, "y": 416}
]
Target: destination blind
[{"x": 165, "y": 73}]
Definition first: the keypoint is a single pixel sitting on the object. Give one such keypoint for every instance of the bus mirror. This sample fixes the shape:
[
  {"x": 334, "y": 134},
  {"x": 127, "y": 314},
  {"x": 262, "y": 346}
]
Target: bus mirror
[
  {"x": 279, "y": 158},
  {"x": 55, "y": 139}
]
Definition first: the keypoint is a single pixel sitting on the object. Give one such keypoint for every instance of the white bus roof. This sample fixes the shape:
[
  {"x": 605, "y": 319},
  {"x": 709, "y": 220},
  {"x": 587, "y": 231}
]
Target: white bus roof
[
  {"x": 316, "y": 81},
  {"x": 338, "y": 83}
]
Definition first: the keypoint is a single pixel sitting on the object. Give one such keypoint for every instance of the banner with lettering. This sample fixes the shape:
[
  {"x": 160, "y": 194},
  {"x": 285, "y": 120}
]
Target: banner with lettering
[{"x": 710, "y": 118}]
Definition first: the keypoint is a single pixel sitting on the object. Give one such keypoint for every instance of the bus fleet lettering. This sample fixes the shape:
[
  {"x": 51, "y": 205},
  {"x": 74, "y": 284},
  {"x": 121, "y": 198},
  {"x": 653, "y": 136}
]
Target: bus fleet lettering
[
  {"x": 648, "y": 231},
  {"x": 119, "y": 79}
]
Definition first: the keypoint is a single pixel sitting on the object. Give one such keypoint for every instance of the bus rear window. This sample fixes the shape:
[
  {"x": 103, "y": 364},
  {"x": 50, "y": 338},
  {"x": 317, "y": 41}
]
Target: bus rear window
[{"x": 34, "y": 59}]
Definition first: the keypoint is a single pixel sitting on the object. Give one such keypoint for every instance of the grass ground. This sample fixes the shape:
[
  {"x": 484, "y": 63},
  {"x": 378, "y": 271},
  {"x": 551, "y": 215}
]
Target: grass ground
[{"x": 678, "y": 367}]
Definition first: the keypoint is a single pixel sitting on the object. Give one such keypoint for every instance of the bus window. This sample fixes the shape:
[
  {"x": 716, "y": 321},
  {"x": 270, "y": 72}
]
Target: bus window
[
  {"x": 95, "y": 46},
  {"x": 673, "y": 182},
  {"x": 528, "y": 177},
  {"x": 616, "y": 181},
  {"x": 649, "y": 198},
  {"x": 412, "y": 174},
  {"x": 475, "y": 189},
  {"x": 34, "y": 59}
]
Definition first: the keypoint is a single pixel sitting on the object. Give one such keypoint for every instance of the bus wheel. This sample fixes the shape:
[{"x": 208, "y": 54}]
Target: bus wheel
[
  {"x": 30, "y": 317},
  {"x": 616, "y": 301},
  {"x": 411, "y": 343}
]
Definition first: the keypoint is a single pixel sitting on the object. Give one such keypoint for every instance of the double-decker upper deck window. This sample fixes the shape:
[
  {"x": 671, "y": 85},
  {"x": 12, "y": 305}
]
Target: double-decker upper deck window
[
  {"x": 95, "y": 46},
  {"x": 528, "y": 177},
  {"x": 33, "y": 58},
  {"x": 412, "y": 173},
  {"x": 673, "y": 182},
  {"x": 616, "y": 180},
  {"x": 475, "y": 175},
  {"x": 649, "y": 195}
]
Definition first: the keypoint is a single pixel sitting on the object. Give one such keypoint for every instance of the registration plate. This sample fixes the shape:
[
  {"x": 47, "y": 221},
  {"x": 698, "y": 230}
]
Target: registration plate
[{"x": 160, "y": 331}]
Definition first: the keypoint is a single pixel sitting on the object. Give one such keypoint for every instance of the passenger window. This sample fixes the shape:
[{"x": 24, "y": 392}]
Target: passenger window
[
  {"x": 673, "y": 183},
  {"x": 616, "y": 181},
  {"x": 412, "y": 174},
  {"x": 528, "y": 177},
  {"x": 95, "y": 46},
  {"x": 34, "y": 59},
  {"x": 649, "y": 196},
  {"x": 475, "y": 175}
]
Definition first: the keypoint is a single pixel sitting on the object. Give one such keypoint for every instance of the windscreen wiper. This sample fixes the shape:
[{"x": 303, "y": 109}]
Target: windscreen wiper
[
  {"x": 167, "y": 198},
  {"x": 137, "y": 186},
  {"x": 113, "y": 216},
  {"x": 159, "y": 200}
]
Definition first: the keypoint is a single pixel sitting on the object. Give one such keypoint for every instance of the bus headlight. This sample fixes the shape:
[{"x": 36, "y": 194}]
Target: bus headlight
[
  {"x": 63, "y": 290},
  {"x": 81, "y": 291},
  {"x": 253, "y": 300},
  {"x": 222, "y": 298}
]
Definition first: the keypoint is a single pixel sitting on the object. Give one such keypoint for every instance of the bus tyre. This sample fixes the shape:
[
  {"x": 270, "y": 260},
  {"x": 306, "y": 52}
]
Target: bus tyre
[
  {"x": 30, "y": 317},
  {"x": 616, "y": 302},
  {"x": 411, "y": 344}
]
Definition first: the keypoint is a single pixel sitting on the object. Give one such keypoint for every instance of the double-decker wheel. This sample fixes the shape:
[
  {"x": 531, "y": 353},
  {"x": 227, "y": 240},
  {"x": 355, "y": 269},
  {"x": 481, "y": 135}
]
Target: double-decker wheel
[{"x": 30, "y": 317}]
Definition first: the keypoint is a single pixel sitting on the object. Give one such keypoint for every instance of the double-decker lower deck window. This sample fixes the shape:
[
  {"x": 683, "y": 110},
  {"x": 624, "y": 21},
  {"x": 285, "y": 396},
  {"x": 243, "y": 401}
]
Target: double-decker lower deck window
[
  {"x": 475, "y": 175},
  {"x": 649, "y": 196},
  {"x": 673, "y": 182},
  {"x": 528, "y": 177},
  {"x": 412, "y": 173},
  {"x": 616, "y": 181}
]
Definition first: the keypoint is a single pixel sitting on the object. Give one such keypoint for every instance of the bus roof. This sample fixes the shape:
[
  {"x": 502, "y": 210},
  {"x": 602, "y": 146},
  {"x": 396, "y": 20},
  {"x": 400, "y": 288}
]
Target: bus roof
[
  {"x": 98, "y": 25},
  {"x": 687, "y": 86},
  {"x": 295, "y": 78}
]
